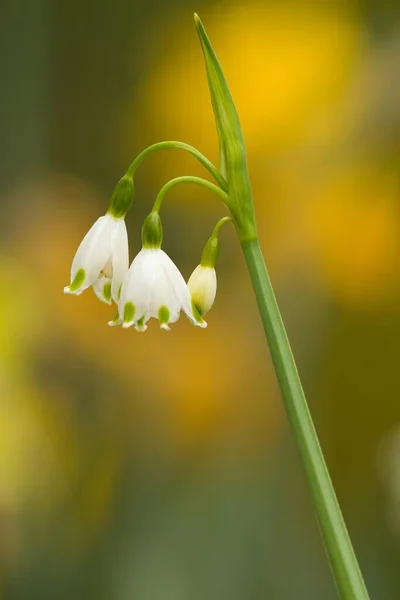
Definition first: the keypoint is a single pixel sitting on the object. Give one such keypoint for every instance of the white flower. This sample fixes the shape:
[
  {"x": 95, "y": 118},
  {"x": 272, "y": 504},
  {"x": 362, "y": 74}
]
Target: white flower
[
  {"x": 202, "y": 285},
  {"x": 101, "y": 260},
  {"x": 154, "y": 287}
]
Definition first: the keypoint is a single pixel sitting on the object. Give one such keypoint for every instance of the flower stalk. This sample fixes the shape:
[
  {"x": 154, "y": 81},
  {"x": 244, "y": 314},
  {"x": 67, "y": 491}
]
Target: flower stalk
[
  {"x": 187, "y": 179},
  {"x": 343, "y": 561},
  {"x": 153, "y": 287},
  {"x": 202, "y": 283},
  {"x": 174, "y": 145}
]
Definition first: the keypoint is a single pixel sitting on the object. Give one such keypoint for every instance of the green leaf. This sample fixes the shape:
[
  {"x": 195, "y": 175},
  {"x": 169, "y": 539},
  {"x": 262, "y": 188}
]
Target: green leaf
[{"x": 233, "y": 163}]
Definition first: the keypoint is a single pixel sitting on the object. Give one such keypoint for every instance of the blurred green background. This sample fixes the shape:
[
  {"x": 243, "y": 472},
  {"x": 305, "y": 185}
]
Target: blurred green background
[{"x": 160, "y": 466}]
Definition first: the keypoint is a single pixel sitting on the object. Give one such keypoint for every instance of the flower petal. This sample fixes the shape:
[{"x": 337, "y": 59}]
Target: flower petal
[
  {"x": 119, "y": 257},
  {"x": 75, "y": 287},
  {"x": 93, "y": 252},
  {"x": 182, "y": 292},
  {"x": 136, "y": 287},
  {"x": 102, "y": 289},
  {"x": 115, "y": 322}
]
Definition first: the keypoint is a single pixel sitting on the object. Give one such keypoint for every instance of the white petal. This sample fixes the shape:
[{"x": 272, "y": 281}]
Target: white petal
[
  {"x": 167, "y": 285},
  {"x": 67, "y": 290},
  {"x": 115, "y": 322},
  {"x": 195, "y": 319},
  {"x": 182, "y": 291},
  {"x": 94, "y": 251},
  {"x": 102, "y": 289},
  {"x": 141, "y": 327},
  {"x": 165, "y": 294},
  {"x": 119, "y": 257},
  {"x": 137, "y": 286}
]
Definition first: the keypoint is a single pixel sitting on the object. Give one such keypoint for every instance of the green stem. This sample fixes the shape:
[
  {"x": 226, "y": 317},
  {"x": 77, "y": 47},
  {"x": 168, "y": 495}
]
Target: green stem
[
  {"x": 220, "y": 224},
  {"x": 210, "y": 252},
  {"x": 182, "y": 146},
  {"x": 338, "y": 546},
  {"x": 187, "y": 179}
]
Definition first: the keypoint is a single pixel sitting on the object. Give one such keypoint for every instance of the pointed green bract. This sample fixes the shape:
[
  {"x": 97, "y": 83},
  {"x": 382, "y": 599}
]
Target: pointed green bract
[{"x": 232, "y": 148}]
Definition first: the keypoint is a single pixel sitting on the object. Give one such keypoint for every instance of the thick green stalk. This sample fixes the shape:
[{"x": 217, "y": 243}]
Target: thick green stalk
[{"x": 338, "y": 546}]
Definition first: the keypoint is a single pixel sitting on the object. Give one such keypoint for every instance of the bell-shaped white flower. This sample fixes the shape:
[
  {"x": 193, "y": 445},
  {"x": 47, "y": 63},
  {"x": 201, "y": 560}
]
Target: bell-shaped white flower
[
  {"x": 154, "y": 287},
  {"x": 202, "y": 286},
  {"x": 102, "y": 260}
]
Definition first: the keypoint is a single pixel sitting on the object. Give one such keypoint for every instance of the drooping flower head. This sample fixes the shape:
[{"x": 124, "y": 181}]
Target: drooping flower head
[
  {"x": 102, "y": 258},
  {"x": 202, "y": 283},
  {"x": 154, "y": 286}
]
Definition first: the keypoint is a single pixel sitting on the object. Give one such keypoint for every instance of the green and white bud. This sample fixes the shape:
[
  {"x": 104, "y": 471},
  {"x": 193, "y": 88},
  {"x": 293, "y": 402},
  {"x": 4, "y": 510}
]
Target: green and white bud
[
  {"x": 202, "y": 286},
  {"x": 202, "y": 283}
]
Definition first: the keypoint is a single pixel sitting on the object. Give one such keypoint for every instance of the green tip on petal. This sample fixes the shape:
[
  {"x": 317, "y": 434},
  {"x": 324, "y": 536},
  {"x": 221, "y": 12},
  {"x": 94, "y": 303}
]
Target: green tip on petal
[
  {"x": 163, "y": 316},
  {"x": 116, "y": 321},
  {"x": 78, "y": 280},
  {"x": 107, "y": 291},
  {"x": 140, "y": 324},
  {"x": 196, "y": 312},
  {"x": 129, "y": 312}
]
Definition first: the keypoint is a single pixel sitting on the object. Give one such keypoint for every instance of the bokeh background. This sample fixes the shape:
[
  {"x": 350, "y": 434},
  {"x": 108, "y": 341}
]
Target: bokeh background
[{"x": 160, "y": 466}]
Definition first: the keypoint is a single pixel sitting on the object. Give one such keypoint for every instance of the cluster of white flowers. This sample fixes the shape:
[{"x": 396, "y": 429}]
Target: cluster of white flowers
[{"x": 151, "y": 287}]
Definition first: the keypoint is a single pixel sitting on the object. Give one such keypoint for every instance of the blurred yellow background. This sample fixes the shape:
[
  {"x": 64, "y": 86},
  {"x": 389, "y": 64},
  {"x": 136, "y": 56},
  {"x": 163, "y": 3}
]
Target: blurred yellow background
[{"x": 160, "y": 466}]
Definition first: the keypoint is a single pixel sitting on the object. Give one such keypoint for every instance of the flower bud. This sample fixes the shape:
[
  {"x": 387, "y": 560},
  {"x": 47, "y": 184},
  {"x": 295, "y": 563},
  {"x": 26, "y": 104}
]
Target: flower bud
[{"x": 202, "y": 286}]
